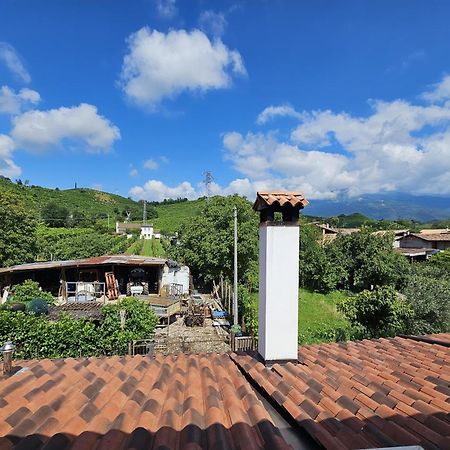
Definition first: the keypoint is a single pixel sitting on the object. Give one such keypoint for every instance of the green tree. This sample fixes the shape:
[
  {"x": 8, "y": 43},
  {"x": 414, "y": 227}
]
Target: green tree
[
  {"x": 370, "y": 261},
  {"x": 320, "y": 267},
  {"x": 206, "y": 241},
  {"x": 55, "y": 215},
  {"x": 377, "y": 313},
  {"x": 17, "y": 231},
  {"x": 428, "y": 290}
]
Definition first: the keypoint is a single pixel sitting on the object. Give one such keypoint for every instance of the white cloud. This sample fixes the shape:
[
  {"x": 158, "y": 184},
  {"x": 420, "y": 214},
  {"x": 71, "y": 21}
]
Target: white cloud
[
  {"x": 213, "y": 23},
  {"x": 7, "y": 166},
  {"x": 41, "y": 130},
  {"x": 13, "y": 62},
  {"x": 151, "y": 164},
  {"x": 166, "y": 8},
  {"x": 399, "y": 147},
  {"x": 439, "y": 92},
  {"x": 277, "y": 111},
  {"x": 12, "y": 102},
  {"x": 133, "y": 173},
  {"x": 155, "y": 190},
  {"x": 160, "y": 65}
]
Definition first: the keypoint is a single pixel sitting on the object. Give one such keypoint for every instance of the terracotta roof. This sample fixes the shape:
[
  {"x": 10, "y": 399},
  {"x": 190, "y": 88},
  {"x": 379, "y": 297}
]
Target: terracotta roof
[
  {"x": 94, "y": 261},
  {"x": 265, "y": 199},
  {"x": 432, "y": 236},
  {"x": 115, "y": 403},
  {"x": 91, "y": 310},
  {"x": 366, "y": 394}
]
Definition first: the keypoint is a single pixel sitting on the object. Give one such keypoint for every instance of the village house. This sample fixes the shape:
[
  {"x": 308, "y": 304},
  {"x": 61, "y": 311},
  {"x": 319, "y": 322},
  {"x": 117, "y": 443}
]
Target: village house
[
  {"x": 330, "y": 233},
  {"x": 147, "y": 231}
]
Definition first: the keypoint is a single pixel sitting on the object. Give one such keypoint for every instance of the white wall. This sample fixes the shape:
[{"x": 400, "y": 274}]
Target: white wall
[
  {"x": 278, "y": 291},
  {"x": 176, "y": 275},
  {"x": 146, "y": 231}
]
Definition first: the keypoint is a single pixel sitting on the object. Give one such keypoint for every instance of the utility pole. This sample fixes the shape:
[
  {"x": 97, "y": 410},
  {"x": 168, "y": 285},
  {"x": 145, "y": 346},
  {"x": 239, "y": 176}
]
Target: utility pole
[
  {"x": 235, "y": 296},
  {"x": 145, "y": 213},
  {"x": 108, "y": 221}
]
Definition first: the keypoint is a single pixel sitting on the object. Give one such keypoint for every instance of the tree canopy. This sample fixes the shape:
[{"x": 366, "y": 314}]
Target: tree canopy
[
  {"x": 206, "y": 242},
  {"x": 17, "y": 231}
]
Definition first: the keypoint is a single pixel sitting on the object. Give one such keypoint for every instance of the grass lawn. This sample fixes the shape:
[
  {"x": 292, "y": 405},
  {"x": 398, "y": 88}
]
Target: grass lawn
[{"x": 318, "y": 318}]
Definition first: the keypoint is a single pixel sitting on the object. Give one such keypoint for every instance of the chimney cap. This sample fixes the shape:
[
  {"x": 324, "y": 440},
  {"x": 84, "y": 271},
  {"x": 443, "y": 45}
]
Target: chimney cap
[
  {"x": 266, "y": 200},
  {"x": 8, "y": 347}
]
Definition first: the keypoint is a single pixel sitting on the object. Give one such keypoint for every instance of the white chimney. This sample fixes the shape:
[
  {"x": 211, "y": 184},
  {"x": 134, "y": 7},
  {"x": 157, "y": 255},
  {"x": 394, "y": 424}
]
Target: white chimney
[{"x": 278, "y": 275}]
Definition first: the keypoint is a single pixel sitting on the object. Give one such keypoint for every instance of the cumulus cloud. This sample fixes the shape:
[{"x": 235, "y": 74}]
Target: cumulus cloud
[
  {"x": 155, "y": 190},
  {"x": 160, "y": 65},
  {"x": 40, "y": 130},
  {"x": 166, "y": 9},
  {"x": 7, "y": 166},
  {"x": 11, "y": 58},
  {"x": 399, "y": 146},
  {"x": 277, "y": 111},
  {"x": 439, "y": 92},
  {"x": 151, "y": 164},
  {"x": 213, "y": 23},
  {"x": 13, "y": 103}
]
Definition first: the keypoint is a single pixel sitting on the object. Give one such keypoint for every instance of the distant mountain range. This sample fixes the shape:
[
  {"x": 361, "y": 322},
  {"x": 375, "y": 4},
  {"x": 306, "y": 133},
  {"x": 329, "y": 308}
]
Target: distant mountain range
[{"x": 385, "y": 206}]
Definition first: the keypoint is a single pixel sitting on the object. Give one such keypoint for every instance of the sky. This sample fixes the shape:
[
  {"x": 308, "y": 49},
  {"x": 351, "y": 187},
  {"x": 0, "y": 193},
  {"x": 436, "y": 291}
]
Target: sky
[{"x": 142, "y": 97}]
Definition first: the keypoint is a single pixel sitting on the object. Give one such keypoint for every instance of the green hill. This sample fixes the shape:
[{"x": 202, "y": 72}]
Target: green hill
[
  {"x": 87, "y": 201},
  {"x": 171, "y": 216}
]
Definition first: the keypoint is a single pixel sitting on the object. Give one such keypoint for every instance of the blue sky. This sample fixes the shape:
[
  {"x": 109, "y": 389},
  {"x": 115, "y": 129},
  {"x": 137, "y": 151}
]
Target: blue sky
[{"x": 141, "y": 97}]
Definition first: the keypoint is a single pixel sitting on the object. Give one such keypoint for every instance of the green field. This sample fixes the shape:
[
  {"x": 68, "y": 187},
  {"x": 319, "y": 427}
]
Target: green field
[
  {"x": 153, "y": 247},
  {"x": 170, "y": 217}
]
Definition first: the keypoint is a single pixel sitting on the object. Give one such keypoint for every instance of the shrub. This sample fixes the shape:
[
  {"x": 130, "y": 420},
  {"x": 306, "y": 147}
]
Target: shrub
[
  {"x": 28, "y": 291},
  {"x": 430, "y": 299},
  {"x": 381, "y": 312},
  {"x": 140, "y": 323},
  {"x": 38, "y": 337},
  {"x": 248, "y": 307}
]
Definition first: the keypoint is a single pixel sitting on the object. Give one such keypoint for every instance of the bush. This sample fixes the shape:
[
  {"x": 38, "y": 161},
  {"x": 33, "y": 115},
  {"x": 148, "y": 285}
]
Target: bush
[
  {"x": 248, "y": 308},
  {"x": 38, "y": 337},
  {"x": 140, "y": 323},
  {"x": 381, "y": 312},
  {"x": 28, "y": 291},
  {"x": 430, "y": 299}
]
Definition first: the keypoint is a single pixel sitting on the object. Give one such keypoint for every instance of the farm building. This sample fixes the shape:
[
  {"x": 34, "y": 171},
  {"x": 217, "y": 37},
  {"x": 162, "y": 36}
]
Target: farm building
[
  {"x": 437, "y": 241},
  {"x": 133, "y": 275}
]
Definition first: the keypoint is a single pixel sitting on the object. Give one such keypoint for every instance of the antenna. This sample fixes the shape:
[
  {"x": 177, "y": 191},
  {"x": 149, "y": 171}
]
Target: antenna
[{"x": 208, "y": 181}]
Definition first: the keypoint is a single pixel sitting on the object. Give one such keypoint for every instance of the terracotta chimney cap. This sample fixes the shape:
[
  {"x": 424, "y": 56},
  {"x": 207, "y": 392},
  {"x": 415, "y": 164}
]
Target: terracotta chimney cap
[{"x": 266, "y": 200}]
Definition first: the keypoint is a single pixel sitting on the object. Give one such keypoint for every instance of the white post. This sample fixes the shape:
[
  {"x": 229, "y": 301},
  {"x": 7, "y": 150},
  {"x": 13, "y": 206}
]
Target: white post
[{"x": 278, "y": 291}]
